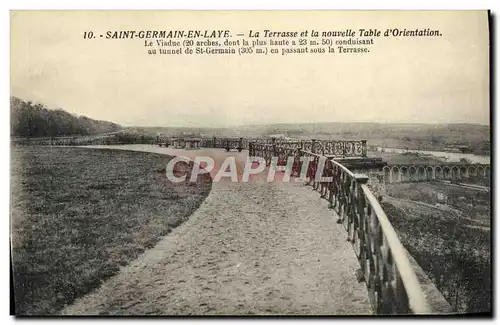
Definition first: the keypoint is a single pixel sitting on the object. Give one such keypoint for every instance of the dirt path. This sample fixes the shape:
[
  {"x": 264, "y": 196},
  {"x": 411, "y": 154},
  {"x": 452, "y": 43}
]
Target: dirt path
[{"x": 250, "y": 248}]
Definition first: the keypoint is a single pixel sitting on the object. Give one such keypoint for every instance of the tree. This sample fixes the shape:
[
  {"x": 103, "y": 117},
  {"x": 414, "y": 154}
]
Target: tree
[{"x": 30, "y": 119}]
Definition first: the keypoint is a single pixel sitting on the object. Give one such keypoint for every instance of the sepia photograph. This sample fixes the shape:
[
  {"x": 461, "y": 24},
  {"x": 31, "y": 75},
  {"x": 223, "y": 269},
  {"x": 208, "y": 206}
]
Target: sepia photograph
[{"x": 250, "y": 163}]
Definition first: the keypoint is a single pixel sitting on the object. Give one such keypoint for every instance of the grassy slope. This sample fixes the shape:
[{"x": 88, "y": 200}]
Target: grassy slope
[
  {"x": 78, "y": 214},
  {"x": 454, "y": 250}
]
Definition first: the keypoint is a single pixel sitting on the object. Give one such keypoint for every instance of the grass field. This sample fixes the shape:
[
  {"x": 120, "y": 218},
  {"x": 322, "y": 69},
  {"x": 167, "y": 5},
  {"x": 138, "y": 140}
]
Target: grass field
[
  {"x": 77, "y": 215},
  {"x": 451, "y": 242}
]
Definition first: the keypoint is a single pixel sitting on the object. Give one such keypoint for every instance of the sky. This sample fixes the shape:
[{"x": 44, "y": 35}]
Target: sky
[{"x": 402, "y": 80}]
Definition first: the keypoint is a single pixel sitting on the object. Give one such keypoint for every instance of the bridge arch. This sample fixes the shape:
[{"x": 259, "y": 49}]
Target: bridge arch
[
  {"x": 430, "y": 173},
  {"x": 472, "y": 171},
  {"x": 446, "y": 172},
  {"x": 396, "y": 174},
  {"x": 421, "y": 173},
  {"x": 438, "y": 173},
  {"x": 455, "y": 173},
  {"x": 413, "y": 173},
  {"x": 464, "y": 172},
  {"x": 405, "y": 177},
  {"x": 387, "y": 174},
  {"x": 487, "y": 172}
]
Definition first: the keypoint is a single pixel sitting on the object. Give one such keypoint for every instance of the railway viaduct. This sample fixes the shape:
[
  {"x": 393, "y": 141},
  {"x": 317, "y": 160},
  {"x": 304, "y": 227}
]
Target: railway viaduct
[{"x": 422, "y": 173}]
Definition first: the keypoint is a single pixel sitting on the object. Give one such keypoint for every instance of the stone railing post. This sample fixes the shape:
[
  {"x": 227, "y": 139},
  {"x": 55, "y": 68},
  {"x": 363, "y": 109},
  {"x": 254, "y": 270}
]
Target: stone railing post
[
  {"x": 215, "y": 141},
  {"x": 313, "y": 145},
  {"x": 363, "y": 148},
  {"x": 361, "y": 178},
  {"x": 240, "y": 144}
]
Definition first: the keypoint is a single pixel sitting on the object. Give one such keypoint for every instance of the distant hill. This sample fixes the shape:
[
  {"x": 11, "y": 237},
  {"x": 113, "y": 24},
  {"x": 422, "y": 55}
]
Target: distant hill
[
  {"x": 171, "y": 131},
  {"x": 35, "y": 120},
  {"x": 400, "y": 135}
]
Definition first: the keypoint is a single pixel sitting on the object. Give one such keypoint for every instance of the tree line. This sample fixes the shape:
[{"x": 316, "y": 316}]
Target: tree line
[{"x": 30, "y": 119}]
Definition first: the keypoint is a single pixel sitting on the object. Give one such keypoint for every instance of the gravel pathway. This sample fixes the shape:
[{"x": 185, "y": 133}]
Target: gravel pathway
[{"x": 250, "y": 248}]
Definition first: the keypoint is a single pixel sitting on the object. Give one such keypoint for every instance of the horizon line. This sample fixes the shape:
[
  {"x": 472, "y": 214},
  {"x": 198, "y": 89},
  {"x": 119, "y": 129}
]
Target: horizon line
[
  {"x": 241, "y": 125},
  {"x": 298, "y": 123}
]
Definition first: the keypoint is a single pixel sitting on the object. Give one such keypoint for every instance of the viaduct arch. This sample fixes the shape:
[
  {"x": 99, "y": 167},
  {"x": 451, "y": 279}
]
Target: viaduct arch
[{"x": 422, "y": 173}]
